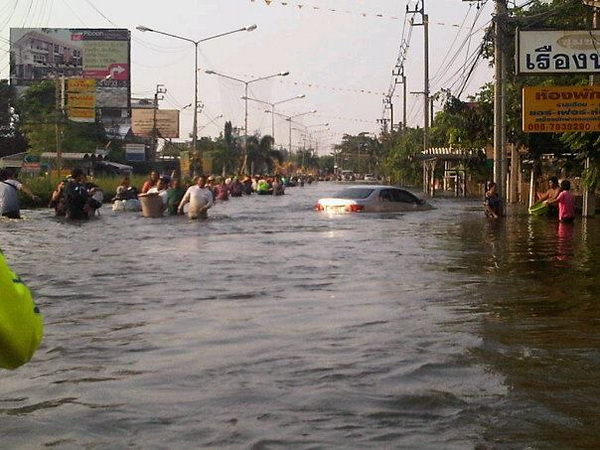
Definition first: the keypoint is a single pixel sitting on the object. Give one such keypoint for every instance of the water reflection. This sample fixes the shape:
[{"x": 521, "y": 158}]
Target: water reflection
[
  {"x": 273, "y": 326},
  {"x": 540, "y": 330}
]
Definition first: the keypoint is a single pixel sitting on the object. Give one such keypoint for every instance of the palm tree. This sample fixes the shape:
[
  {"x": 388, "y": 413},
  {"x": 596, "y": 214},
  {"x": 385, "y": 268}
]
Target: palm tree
[{"x": 261, "y": 154}]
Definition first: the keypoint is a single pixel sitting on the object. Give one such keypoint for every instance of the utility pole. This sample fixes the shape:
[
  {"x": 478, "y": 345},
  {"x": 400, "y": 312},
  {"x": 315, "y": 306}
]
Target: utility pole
[
  {"x": 425, "y": 24},
  {"x": 589, "y": 199},
  {"x": 157, "y": 96},
  {"x": 500, "y": 160},
  {"x": 59, "y": 94},
  {"x": 384, "y": 124},
  {"x": 400, "y": 78},
  {"x": 387, "y": 104}
]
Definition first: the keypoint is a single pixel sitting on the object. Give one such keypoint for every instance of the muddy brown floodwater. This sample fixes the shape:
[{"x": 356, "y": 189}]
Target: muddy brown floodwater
[{"x": 273, "y": 326}]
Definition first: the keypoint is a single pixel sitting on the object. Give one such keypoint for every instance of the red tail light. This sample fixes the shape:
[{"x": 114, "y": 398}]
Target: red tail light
[
  {"x": 319, "y": 207},
  {"x": 354, "y": 208}
]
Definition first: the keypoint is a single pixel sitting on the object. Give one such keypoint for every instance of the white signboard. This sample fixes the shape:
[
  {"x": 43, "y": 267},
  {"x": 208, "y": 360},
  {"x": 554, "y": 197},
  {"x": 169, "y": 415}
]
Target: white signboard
[
  {"x": 573, "y": 51},
  {"x": 135, "y": 152}
]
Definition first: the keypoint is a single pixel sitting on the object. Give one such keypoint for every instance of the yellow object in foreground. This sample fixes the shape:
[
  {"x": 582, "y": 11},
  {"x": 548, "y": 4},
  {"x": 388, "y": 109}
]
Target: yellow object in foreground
[{"x": 21, "y": 324}]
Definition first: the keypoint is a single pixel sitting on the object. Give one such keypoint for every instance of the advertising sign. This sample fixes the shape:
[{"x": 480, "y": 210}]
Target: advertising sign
[
  {"x": 559, "y": 109},
  {"x": 574, "y": 51},
  {"x": 81, "y": 85},
  {"x": 98, "y": 55},
  {"x": 135, "y": 152},
  {"x": 81, "y": 99},
  {"x": 167, "y": 122}
]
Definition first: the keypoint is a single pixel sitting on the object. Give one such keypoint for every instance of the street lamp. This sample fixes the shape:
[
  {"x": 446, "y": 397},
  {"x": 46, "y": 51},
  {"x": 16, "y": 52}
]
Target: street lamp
[
  {"x": 246, "y": 83},
  {"x": 309, "y": 136},
  {"x": 211, "y": 122},
  {"x": 195, "y": 104},
  {"x": 272, "y": 105},
  {"x": 289, "y": 119}
]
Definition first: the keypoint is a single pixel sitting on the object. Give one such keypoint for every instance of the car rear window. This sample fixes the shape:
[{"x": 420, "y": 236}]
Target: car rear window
[{"x": 354, "y": 194}]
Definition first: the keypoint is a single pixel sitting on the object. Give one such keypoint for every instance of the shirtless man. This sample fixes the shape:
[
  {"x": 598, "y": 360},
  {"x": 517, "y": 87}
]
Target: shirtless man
[{"x": 550, "y": 195}]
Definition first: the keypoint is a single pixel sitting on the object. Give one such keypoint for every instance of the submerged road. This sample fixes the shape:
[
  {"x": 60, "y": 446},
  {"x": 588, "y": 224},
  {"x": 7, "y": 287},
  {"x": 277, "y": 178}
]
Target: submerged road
[{"x": 272, "y": 326}]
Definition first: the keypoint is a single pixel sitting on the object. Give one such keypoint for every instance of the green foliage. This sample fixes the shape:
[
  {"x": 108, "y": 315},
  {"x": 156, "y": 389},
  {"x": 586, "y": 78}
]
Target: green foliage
[
  {"x": 399, "y": 164},
  {"x": 45, "y": 127},
  {"x": 361, "y": 153},
  {"x": 539, "y": 14},
  {"x": 261, "y": 155},
  {"x": 11, "y": 138}
]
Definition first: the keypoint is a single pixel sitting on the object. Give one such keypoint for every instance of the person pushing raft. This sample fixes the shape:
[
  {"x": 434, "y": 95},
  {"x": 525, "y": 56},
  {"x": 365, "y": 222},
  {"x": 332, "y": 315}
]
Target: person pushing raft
[{"x": 21, "y": 325}]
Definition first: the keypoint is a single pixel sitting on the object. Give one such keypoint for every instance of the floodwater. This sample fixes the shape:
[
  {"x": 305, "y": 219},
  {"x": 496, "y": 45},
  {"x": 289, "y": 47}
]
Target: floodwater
[{"x": 273, "y": 326}]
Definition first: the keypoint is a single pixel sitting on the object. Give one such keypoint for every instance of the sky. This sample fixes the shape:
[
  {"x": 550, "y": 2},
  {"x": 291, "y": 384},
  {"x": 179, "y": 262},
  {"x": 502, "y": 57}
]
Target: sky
[{"x": 339, "y": 53}]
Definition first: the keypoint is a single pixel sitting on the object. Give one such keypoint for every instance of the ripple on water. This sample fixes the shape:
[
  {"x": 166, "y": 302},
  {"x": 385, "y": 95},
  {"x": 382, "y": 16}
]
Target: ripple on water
[{"x": 270, "y": 325}]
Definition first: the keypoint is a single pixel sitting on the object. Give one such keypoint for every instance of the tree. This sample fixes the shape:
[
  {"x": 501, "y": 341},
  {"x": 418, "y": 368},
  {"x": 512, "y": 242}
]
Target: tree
[
  {"x": 537, "y": 14},
  {"x": 45, "y": 127},
  {"x": 11, "y": 138},
  {"x": 261, "y": 155},
  {"x": 360, "y": 153},
  {"x": 399, "y": 164}
]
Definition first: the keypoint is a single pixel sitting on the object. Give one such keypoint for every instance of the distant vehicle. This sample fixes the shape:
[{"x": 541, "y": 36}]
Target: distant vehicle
[
  {"x": 347, "y": 175},
  {"x": 372, "y": 198},
  {"x": 370, "y": 177}
]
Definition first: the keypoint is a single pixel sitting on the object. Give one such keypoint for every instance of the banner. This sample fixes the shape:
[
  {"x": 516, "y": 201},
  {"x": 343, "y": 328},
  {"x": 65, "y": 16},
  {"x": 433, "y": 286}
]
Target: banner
[
  {"x": 540, "y": 51},
  {"x": 167, "y": 122},
  {"x": 559, "y": 109},
  {"x": 81, "y": 99},
  {"x": 135, "y": 152}
]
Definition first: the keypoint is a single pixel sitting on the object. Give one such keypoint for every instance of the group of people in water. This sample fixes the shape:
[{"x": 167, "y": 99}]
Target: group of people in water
[
  {"x": 77, "y": 198},
  {"x": 194, "y": 199},
  {"x": 557, "y": 198}
]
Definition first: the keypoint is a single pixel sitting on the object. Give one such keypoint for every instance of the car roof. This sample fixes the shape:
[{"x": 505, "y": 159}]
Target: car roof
[{"x": 373, "y": 186}]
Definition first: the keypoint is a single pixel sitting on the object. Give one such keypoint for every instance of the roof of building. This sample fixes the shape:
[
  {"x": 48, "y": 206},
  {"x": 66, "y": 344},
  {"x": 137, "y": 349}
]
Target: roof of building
[{"x": 449, "y": 153}]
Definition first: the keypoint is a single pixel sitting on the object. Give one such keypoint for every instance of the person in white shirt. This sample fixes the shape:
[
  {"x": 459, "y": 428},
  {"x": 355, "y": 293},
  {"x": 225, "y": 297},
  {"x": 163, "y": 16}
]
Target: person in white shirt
[
  {"x": 161, "y": 188},
  {"x": 9, "y": 197},
  {"x": 200, "y": 199}
]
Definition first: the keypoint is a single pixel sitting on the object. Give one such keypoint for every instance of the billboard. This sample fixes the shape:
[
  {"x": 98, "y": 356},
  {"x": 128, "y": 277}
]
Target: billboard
[
  {"x": 99, "y": 55},
  {"x": 559, "y": 109},
  {"x": 167, "y": 122},
  {"x": 135, "y": 152},
  {"x": 574, "y": 51}
]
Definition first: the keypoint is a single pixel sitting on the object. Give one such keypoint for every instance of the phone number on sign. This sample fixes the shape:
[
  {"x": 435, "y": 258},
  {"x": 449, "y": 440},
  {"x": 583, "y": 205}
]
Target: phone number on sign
[{"x": 581, "y": 126}]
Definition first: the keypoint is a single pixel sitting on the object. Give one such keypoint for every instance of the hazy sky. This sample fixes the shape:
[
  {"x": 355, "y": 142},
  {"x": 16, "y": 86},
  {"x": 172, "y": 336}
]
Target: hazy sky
[{"x": 340, "y": 54}]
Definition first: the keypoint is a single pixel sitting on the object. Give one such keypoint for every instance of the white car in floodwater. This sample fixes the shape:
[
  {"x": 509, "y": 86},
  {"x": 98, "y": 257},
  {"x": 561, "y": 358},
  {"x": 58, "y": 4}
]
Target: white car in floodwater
[{"x": 372, "y": 198}]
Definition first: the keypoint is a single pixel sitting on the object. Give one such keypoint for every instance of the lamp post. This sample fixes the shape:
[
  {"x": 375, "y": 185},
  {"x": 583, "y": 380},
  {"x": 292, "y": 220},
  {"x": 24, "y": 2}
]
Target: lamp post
[
  {"x": 272, "y": 105},
  {"x": 211, "y": 122},
  {"x": 195, "y": 104},
  {"x": 289, "y": 119},
  {"x": 309, "y": 136},
  {"x": 326, "y": 124},
  {"x": 246, "y": 84}
]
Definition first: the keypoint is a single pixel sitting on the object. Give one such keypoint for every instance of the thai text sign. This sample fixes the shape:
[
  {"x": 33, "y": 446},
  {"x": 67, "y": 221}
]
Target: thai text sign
[
  {"x": 167, "y": 122},
  {"x": 81, "y": 114},
  {"x": 81, "y": 85},
  {"x": 81, "y": 99},
  {"x": 574, "y": 51},
  {"x": 100, "y": 55},
  {"x": 559, "y": 109}
]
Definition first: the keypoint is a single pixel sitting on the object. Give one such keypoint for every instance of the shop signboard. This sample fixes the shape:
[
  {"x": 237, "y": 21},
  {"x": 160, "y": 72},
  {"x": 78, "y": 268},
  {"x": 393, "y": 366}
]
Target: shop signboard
[
  {"x": 135, "y": 152},
  {"x": 557, "y": 52},
  {"x": 167, "y": 122},
  {"x": 559, "y": 109}
]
